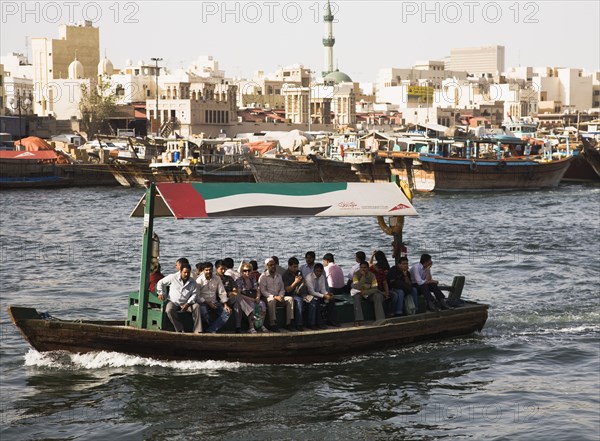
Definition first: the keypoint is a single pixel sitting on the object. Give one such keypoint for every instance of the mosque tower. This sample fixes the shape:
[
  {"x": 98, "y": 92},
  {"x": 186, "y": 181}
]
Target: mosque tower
[{"x": 328, "y": 41}]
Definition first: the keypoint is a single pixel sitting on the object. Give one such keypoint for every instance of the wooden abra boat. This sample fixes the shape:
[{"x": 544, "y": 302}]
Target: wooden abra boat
[
  {"x": 144, "y": 333},
  {"x": 305, "y": 347}
]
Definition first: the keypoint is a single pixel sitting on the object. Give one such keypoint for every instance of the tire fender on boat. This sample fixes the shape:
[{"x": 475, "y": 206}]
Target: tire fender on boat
[
  {"x": 501, "y": 165},
  {"x": 473, "y": 166}
]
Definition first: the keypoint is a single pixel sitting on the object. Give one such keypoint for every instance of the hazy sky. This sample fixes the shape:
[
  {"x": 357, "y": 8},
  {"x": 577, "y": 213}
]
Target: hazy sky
[{"x": 250, "y": 35}]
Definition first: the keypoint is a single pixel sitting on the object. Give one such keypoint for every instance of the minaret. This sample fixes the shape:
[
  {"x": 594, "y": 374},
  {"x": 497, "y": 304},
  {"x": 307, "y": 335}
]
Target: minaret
[{"x": 328, "y": 41}]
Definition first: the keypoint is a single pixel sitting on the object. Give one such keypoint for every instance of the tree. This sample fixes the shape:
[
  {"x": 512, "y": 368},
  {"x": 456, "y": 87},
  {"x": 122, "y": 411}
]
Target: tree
[{"x": 97, "y": 105}]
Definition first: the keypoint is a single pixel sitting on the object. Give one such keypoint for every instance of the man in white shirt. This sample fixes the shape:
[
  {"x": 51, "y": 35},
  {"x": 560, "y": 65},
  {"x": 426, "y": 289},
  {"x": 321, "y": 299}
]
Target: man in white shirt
[
  {"x": 316, "y": 283},
  {"x": 209, "y": 287},
  {"x": 309, "y": 266},
  {"x": 421, "y": 276},
  {"x": 271, "y": 287},
  {"x": 182, "y": 297}
]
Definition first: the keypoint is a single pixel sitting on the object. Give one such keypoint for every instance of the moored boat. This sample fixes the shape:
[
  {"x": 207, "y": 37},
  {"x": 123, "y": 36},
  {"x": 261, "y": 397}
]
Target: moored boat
[
  {"x": 31, "y": 169},
  {"x": 271, "y": 169},
  {"x": 591, "y": 154},
  {"x": 495, "y": 163}
]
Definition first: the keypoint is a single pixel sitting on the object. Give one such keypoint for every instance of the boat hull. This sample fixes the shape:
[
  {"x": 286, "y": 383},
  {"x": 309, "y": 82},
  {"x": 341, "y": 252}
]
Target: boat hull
[
  {"x": 460, "y": 174},
  {"x": 273, "y": 348},
  {"x": 282, "y": 170},
  {"x": 332, "y": 170},
  {"x": 581, "y": 170}
]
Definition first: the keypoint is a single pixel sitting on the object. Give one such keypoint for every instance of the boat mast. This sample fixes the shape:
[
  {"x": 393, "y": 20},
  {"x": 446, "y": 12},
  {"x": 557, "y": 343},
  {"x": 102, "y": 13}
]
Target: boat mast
[{"x": 143, "y": 292}]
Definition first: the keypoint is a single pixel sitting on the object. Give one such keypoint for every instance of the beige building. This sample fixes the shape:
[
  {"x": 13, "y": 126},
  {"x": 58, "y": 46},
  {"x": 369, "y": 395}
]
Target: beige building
[
  {"x": 52, "y": 58},
  {"x": 559, "y": 89},
  {"x": 267, "y": 91},
  {"x": 477, "y": 60},
  {"x": 193, "y": 107},
  {"x": 339, "y": 100}
]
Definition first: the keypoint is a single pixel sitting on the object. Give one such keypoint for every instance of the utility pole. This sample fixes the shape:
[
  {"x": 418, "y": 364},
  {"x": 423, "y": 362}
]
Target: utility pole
[{"x": 156, "y": 69}]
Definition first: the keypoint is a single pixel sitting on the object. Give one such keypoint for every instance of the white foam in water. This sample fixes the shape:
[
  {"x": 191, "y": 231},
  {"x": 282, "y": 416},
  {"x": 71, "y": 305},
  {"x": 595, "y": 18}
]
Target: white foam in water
[{"x": 100, "y": 360}]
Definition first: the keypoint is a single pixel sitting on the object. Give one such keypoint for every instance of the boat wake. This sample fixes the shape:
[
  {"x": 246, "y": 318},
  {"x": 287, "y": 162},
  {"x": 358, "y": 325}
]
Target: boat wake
[{"x": 103, "y": 359}]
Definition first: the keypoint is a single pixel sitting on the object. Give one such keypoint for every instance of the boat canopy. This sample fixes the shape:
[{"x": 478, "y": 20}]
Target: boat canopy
[{"x": 209, "y": 200}]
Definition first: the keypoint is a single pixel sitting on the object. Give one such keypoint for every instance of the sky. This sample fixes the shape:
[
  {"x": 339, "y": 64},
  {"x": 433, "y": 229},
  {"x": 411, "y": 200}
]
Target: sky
[{"x": 247, "y": 36}]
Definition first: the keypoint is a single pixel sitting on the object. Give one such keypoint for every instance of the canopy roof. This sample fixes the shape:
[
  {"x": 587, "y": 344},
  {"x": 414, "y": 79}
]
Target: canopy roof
[
  {"x": 45, "y": 155},
  {"x": 199, "y": 200}
]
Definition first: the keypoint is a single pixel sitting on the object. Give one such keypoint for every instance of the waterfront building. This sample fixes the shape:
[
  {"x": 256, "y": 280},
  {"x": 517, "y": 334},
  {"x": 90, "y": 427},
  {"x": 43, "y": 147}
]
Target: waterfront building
[
  {"x": 192, "y": 105},
  {"x": 558, "y": 88},
  {"x": 68, "y": 94},
  {"x": 477, "y": 61},
  {"x": 266, "y": 90},
  {"x": 53, "y": 57},
  {"x": 414, "y": 86},
  {"x": 515, "y": 98}
]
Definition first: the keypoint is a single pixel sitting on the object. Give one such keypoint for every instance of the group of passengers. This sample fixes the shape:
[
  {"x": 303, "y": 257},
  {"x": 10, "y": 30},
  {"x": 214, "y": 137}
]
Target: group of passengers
[{"x": 303, "y": 290}]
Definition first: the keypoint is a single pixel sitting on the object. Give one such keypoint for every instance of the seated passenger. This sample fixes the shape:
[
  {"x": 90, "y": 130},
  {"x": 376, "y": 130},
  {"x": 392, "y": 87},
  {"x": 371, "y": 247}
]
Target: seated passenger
[
  {"x": 182, "y": 296},
  {"x": 401, "y": 285},
  {"x": 155, "y": 275},
  {"x": 250, "y": 299},
  {"x": 334, "y": 275},
  {"x": 309, "y": 266},
  {"x": 228, "y": 261},
  {"x": 294, "y": 286},
  {"x": 421, "y": 276},
  {"x": 232, "y": 292},
  {"x": 364, "y": 286},
  {"x": 212, "y": 298},
  {"x": 359, "y": 256},
  {"x": 254, "y": 274},
  {"x": 380, "y": 267},
  {"x": 316, "y": 283},
  {"x": 270, "y": 285}
]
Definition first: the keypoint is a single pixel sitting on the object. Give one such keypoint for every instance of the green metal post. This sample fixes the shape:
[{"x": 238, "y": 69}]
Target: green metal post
[{"x": 143, "y": 292}]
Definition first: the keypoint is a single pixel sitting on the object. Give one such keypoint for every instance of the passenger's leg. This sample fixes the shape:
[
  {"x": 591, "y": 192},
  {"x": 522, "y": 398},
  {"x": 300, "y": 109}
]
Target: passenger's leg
[
  {"x": 272, "y": 312},
  {"x": 424, "y": 291},
  {"x": 377, "y": 299},
  {"x": 205, "y": 314},
  {"x": 358, "y": 312},
  {"x": 289, "y": 309},
  {"x": 399, "y": 305},
  {"x": 313, "y": 313},
  {"x": 298, "y": 311},
  {"x": 222, "y": 317},
  {"x": 195, "y": 310},
  {"x": 172, "y": 311}
]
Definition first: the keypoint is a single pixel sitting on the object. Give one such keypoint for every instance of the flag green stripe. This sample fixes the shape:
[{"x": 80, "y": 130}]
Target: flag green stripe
[{"x": 215, "y": 190}]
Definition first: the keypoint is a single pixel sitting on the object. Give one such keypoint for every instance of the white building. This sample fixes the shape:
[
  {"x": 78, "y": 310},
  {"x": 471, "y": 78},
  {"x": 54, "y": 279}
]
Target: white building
[
  {"x": 518, "y": 98},
  {"x": 67, "y": 92},
  {"x": 558, "y": 88},
  {"x": 392, "y": 85}
]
